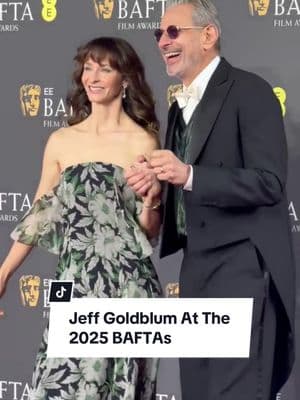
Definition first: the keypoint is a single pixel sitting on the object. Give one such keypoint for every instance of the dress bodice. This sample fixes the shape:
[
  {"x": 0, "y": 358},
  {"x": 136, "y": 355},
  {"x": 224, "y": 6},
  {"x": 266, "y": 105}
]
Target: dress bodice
[{"x": 91, "y": 208}]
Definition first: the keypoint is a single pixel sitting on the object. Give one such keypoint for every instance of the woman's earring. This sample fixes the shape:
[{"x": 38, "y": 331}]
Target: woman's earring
[{"x": 124, "y": 94}]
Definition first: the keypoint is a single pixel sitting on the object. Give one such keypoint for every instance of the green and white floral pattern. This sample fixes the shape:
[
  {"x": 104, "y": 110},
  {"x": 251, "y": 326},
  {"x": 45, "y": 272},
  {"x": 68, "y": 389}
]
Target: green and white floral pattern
[{"x": 90, "y": 221}]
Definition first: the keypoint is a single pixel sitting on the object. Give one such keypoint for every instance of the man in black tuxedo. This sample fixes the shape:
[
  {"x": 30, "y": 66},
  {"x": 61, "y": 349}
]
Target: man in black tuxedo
[{"x": 225, "y": 165}]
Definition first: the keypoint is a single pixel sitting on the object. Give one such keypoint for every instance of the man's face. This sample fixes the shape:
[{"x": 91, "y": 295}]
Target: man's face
[
  {"x": 259, "y": 7},
  {"x": 104, "y": 8},
  {"x": 30, "y": 290},
  {"x": 31, "y": 100},
  {"x": 183, "y": 56}
]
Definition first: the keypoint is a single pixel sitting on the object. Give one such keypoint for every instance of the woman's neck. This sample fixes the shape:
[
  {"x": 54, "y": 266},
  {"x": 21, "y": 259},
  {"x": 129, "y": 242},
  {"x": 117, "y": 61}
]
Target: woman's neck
[{"x": 104, "y": 118}]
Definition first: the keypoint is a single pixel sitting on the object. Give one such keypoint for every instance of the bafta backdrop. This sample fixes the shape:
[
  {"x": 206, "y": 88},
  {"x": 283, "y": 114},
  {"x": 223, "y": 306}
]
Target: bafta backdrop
[{"x": 38, "y": 40}]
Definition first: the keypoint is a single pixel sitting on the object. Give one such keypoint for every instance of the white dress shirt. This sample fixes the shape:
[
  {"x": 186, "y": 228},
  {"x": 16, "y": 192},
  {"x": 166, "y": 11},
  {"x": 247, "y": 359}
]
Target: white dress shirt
[{"x": 199, "y": 83}]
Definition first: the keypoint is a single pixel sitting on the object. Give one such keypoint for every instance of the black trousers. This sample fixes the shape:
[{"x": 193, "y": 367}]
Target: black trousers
[{"x": 231, "y": 378}]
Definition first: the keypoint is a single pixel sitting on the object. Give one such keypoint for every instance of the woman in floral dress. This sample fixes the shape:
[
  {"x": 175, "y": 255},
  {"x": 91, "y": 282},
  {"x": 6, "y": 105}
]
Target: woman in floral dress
[{"x": 86, "y": 214}]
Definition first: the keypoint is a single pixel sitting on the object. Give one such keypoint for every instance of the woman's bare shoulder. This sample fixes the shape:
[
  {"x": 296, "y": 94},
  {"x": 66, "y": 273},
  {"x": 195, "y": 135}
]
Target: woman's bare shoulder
[
  {"x": 65, "y": 133},
  {"x": 142, "y": 135},
  {"x": 147, "y": 140},
  {"x": 59, "y": 140}
]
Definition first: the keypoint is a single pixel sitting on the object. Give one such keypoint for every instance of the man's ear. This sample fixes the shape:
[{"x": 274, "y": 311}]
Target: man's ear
[{"x": 210, "y": 36}]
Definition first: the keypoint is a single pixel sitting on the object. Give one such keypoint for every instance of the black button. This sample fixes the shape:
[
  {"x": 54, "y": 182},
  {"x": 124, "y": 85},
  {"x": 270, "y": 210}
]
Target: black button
[
  {"x": 221, "y": 164},
  {"x": 202, "y": 224}
]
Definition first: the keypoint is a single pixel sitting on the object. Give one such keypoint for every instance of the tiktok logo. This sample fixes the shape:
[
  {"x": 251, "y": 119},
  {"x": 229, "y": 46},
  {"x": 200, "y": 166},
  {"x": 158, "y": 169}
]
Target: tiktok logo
[{"x": 60, "y": 291}]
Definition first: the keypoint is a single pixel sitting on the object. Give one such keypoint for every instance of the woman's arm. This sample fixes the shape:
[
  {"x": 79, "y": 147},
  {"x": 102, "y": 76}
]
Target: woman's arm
[
  {"x": 150, "y": 217},
  {"x": 16, "y": 255},
  {"x": 49, "y": 178},
  {"x": 144, "y": 182}
]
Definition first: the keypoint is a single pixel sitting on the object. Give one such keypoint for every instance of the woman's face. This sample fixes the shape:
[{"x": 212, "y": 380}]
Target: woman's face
[{"x": 102, "y": 83}]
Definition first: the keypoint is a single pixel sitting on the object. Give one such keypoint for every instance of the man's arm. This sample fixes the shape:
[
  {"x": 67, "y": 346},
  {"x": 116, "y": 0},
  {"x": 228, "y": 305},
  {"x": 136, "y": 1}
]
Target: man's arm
[{"x": 261, "y": 182}]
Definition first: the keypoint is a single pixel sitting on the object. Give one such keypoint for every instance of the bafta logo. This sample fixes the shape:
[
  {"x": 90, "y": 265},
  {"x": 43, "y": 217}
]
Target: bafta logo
[
  {"x": 172, "y": 91},
  {"x": 29, "y": 290},
  {"x": 104, "y": 8},
  {"x": 259, "y": 7},
  {"x": 281, "y": 96},
  {"x": 172, "y": 290},
  {"x": 30, "y": 99}
]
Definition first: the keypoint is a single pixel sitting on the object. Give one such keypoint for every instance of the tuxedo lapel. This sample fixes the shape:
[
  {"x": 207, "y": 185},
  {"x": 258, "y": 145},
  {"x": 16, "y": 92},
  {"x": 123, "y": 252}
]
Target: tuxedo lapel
[
  {"x": 169, "y": 145},
  {"x": 173, "y": 115},
  {"x": 208, "y": 109}
]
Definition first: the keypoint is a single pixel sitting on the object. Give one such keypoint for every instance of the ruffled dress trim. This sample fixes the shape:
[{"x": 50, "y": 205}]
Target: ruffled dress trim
[{"x": 42, "y": 225}]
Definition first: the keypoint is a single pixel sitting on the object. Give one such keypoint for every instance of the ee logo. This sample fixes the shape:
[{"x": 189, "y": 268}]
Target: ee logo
[
  {"x": 281, "y": 96},
  {"x": 49, "y": 11}
]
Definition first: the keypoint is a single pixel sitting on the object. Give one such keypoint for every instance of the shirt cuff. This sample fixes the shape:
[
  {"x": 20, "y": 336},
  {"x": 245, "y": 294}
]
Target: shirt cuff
[{"x": 189, "y": 183}]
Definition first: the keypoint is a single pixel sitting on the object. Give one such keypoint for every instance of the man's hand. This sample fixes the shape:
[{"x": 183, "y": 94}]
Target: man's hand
[
  {"x": 142, "y": 179},
  {"x": 168, "y": 167}
]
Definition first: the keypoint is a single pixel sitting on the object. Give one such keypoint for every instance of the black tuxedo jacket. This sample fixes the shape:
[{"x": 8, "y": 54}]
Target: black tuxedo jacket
[{"x": 239, "y": 157}]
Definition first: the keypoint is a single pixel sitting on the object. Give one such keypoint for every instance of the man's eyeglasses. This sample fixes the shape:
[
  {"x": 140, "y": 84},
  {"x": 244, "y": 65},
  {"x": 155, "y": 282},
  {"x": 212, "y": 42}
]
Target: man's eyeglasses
[{"x": 173, "y": 31}]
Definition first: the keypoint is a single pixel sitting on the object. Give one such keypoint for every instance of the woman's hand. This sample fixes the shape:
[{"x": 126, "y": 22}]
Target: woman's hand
[
  {"x": 142, "y": 179},
  {"x": 17, "y": 254}
]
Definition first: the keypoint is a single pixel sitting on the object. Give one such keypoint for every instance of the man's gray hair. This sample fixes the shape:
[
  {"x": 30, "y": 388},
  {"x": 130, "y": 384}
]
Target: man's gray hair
[{"x": 205, "y": 13}]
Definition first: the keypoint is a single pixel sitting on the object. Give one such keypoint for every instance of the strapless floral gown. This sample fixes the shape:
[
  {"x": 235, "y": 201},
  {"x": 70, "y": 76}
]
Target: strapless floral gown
[{"x": 90, "y": 221}]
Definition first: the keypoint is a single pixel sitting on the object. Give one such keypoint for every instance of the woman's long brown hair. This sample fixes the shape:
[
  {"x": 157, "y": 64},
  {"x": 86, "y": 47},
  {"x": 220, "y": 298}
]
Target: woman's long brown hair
[{"x": 139, "y": 102}]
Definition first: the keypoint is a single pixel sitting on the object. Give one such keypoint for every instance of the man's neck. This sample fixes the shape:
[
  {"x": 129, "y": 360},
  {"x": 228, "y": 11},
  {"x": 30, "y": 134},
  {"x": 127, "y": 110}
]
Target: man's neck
[{"x": 188, "y": 80}]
